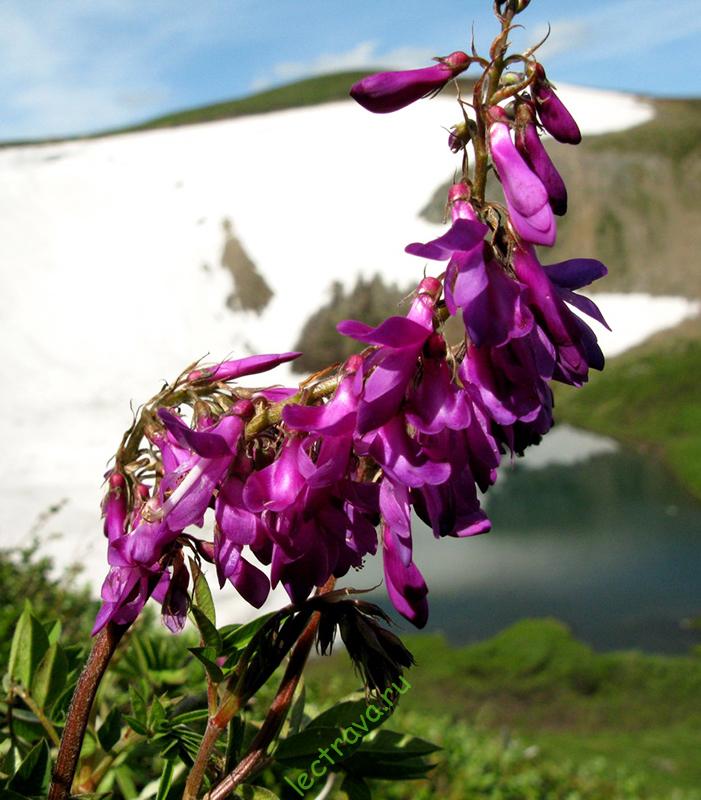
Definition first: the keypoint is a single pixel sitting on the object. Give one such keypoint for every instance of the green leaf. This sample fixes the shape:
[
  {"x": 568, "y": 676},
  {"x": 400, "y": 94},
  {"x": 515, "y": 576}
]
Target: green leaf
[
  {"x": 206, "y": 656},
  {"x": 138, "y": 705},
  {"x": 400, "y": 745},
  {"x": 110, "y": 731},
  {"x": 356, "y": 788},
  {"x": 202, "y": 594},
  {"x": 197, "y": 715},
  {"x": 210, "y": 635},
  {"x": 370, "y": 765},
  {"x": 50, "y": 677},
  {"x": 166, "y": 779},
  {"x": 33, "y": 774},
  {"x": 156, "y": 714},
  {"x": 299, "y": 749},
  {"x": 248, "y": 792},
  {"x": 297, "y": 710},
  {"x": 343, "y": 715},
  {"x": 236, "y": 637},
  {"x": 53, "y": 631},
  {"x": 125, "y": 781},
  {"x": 29, "y": 644},
  {"x": 136, "y": 725}
]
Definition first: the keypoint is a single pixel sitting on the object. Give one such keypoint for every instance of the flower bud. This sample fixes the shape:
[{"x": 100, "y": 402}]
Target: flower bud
[
  {"x": 114, "y": 506},
  {"x": 385, "y": 92},
  {"x": 459, "y": 201},
  {"x": 530, "y": 146},
  {"x": 556, "y": 119}
]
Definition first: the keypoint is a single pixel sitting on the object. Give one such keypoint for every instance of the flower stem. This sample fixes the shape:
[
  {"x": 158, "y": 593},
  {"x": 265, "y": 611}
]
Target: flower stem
[
  {"x": 257, "y": 757},
  {"x": 79, "y": 711}
]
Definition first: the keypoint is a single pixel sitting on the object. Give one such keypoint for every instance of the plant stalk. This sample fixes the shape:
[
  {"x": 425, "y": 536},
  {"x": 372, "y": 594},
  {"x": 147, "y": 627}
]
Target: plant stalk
[
  {"x": 100, "y": 656},
  {"x": 257, "y": 757}
]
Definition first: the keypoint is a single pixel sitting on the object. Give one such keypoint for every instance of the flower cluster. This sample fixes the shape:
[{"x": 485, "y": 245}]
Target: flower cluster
[{"x": 302, "y": 480}]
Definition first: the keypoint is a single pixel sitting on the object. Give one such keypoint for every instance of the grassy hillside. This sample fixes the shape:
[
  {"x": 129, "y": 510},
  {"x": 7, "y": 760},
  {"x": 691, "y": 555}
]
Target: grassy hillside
[
  {"x": 536, "y": 682},
  {"x": 649, "y": 397}
]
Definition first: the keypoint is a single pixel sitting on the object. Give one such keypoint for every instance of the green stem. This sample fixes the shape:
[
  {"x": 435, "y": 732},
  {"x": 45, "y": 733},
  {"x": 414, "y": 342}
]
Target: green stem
[{"x": 46, "y": 723}]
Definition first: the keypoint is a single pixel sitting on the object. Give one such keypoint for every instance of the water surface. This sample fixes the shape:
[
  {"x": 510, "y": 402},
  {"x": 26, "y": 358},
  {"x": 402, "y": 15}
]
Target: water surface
[{"x": 610, "y": 544}]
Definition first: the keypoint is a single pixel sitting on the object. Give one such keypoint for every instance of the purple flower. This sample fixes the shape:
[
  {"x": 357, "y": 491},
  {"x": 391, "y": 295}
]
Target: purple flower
[
  {"x": 452, "y": 507},
  {"x": 114, "y": 506},
  {"x": 124, "y": 593},
  {"x": 435, "y": 402},
  {"x": 252, "y": 365},
  {"x": 236, "y": 528},
  {"x": 405, "y": 585},
  {"x": 463, "y": 236},
  {"x": 526, "y": 197},
  {"x": 492, "y": 304},
  {"x": 390, "y": 91},
  {"x": 337, "y": 417},
  {"x": 400, "y": 341},
  {"x": 531, "y": 147},
  {"x": 556, "y": 119},
  {"x": 574, "y": 342},
  {"x": 512, "y": 379}
]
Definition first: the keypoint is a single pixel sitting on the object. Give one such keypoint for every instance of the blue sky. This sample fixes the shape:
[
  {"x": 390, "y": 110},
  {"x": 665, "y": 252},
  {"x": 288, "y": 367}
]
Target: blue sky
[{"x": 72, "y": 66}]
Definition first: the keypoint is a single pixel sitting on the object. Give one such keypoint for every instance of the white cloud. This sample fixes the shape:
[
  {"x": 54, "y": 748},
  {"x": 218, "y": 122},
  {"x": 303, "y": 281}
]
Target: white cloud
[
  {"x": 626, "y": 27},
  {"x": 362, "y": 56},
  {"x": 90, "y": 64}
]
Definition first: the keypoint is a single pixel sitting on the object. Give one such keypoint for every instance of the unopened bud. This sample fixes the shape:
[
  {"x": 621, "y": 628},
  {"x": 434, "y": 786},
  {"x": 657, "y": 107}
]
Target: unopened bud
[
  {"x": 511, "y": 78},
  {"x": 430, "y": 286},
  {"x": 459, "y": 137},
  {"x": 243, "y": 408}
]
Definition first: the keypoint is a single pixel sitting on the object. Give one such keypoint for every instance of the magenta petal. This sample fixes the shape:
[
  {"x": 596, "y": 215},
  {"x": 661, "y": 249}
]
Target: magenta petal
[
  {"x": 556, "y": 119},
  {"x": 209, "y": 445},
  {"x": 396, "y": 514},
  {"x": 189, "y": 508},
  {"x": 251, "y": 583},
  {"x": 464, "y": 234},
  {"x": 277, "y": 393},
  {"x": 114, "y": 507},
  {"x": 252, "y": 365},
  {"x": 531, "y": 147},
  {"x": 385, "y": 92},
  {"x": 405, "y": 585},
  {"x": 401, "y": 458},
  {"x": 236, "y": 522},
  {"x": 437, "y": 403},
  {"x": 525, "y": 228},
  {"x": 394, "y": 332},
  {"x": 576, "y": 272},
  {"x": 523, "y": 189},
  {"x": 584, "y": 304},
  {"x": 276, "y": 487},
  {"x": 335, "y": 418}
]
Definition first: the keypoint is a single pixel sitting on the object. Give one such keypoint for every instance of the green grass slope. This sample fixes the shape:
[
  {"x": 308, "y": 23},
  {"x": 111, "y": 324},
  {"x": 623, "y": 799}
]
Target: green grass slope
[
  {"x": 649, "y": 397},
  {"x": 535, "y": 682}
]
